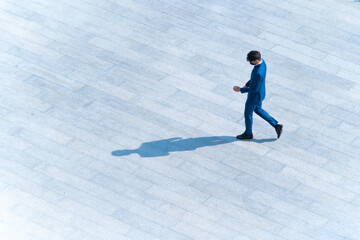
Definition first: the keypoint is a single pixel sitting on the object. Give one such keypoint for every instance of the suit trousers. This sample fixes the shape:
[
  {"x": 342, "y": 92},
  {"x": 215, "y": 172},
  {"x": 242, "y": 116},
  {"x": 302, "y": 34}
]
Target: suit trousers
[{"x": 255, "y": 106}]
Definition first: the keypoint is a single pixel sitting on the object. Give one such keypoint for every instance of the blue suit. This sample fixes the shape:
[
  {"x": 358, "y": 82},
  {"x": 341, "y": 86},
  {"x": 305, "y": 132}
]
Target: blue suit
[{"x": 255, "y": 88}]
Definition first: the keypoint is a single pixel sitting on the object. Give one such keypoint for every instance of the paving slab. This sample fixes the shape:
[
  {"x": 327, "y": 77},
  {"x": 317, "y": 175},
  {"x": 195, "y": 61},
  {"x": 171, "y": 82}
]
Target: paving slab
[{"x": 118, "y": 120}]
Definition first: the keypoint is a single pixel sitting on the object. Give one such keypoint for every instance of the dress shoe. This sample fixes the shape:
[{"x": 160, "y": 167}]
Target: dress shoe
[
  {"x": 244, "y": 136},
  {"x": 278, "y": 129}
]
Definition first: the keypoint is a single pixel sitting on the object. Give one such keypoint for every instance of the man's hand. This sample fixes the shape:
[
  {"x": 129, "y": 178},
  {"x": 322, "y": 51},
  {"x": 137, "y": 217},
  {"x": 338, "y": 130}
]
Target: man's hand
[{"x": 236, "y": 88}]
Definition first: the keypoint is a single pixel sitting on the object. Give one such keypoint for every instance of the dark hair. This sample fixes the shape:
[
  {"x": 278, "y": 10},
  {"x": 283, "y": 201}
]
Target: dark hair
[{"x": 253, "y": 55}]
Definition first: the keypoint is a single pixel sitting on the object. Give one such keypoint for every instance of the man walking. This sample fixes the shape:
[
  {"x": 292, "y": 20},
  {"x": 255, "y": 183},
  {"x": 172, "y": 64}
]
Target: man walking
[{"x": 255, "y": 88}]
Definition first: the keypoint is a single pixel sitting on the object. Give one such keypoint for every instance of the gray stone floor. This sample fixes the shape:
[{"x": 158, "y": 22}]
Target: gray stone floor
[{"x": 118, "y": 120}]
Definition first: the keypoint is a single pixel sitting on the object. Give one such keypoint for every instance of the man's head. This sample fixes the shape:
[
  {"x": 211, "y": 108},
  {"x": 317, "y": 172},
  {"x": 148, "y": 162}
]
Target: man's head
[{"x": 254, "y": 57}]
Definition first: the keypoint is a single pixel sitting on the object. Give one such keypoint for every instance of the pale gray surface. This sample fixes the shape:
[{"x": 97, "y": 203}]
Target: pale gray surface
[{"x": 118, "y": 120}]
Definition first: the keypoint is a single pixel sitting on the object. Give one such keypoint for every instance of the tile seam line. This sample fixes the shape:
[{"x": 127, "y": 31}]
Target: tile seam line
[
  {"x": 102, "y": 199},
  {"x": 311, "y": 19},
  {"x": 54, "y": 205},
  {"x": 105, "y": 19},
  {"x": 299, "y": 27}
]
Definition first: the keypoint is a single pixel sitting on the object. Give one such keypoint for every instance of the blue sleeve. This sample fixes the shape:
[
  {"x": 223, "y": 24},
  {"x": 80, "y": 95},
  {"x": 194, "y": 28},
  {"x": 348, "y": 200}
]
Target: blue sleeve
[{"x": 253, "y": 84}]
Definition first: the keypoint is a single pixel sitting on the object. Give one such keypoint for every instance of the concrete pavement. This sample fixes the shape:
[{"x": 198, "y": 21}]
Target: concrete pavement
[{"x": 118, "y": 120}]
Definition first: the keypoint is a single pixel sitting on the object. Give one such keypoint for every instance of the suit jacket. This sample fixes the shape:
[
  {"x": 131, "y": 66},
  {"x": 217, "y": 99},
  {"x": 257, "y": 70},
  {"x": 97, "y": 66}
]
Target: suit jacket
[{"x": 256, "y": 84}]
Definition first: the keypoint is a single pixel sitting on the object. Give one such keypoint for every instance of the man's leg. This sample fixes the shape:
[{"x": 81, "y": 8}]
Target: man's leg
[
  {"x": 264, "y": 115},
  {"x": 248, "y": 115}
]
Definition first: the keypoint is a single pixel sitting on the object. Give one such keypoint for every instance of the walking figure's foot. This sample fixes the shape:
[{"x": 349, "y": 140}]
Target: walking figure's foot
[
  {"x": 278, "y": 129},
  {"x": 244, "y": 136}
]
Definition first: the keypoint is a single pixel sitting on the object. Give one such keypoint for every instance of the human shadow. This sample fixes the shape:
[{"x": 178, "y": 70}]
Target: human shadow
[
  {"x": 264, "y": 140},
  {"x": 163, "y": 147}
]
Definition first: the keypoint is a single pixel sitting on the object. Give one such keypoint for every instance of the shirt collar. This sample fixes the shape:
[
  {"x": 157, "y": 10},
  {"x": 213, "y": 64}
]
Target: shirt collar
[{"x": 259, "y": 63}]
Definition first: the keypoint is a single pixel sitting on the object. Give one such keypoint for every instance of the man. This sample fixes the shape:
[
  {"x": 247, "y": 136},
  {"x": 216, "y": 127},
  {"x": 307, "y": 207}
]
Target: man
[{"x": 255, "y": 88}]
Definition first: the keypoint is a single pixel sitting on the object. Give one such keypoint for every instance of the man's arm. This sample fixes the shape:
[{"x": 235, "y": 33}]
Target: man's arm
[{"x": 253, "y": 85}]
